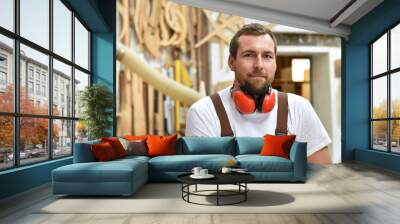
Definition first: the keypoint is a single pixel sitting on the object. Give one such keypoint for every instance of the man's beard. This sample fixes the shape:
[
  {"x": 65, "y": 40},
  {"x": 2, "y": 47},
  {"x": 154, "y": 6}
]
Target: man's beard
[{"x": 250, "y": 89}]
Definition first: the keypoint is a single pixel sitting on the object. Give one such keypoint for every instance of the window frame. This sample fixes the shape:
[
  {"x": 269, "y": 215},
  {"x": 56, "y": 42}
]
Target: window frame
[
  {"x": 388, "y": 74},
  {"x": 16, "y": 114}
]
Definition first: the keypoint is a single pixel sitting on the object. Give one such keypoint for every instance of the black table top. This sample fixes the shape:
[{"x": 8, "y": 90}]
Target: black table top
[{"x": 220, "y": 178}]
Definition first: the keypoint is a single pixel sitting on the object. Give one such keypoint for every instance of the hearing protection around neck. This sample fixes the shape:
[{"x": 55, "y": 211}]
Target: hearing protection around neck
[{"x": 247, "y": 104}]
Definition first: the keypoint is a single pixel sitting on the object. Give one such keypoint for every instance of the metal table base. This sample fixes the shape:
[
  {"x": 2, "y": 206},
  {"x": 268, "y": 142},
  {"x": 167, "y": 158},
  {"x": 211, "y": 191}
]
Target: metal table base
[{"x": 241, "y": 191}]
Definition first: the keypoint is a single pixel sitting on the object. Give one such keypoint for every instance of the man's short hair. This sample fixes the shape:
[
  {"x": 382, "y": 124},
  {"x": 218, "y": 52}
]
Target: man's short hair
[{"x": 254, "y": 29}]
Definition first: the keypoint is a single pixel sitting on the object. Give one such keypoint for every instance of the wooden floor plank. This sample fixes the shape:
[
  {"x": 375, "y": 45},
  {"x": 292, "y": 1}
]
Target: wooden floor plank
[{"x": 377, "y": 191}]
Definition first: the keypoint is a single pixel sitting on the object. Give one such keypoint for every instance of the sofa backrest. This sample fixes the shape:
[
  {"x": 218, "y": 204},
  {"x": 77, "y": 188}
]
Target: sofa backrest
[
  {"x": 249, "y": 145},
  {"x": 83, "y": 152},
  {"x": 206, "y": 145}
]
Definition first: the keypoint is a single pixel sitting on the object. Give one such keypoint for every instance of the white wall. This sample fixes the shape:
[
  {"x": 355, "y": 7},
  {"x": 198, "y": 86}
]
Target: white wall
[{"x": 325, "y": 90}]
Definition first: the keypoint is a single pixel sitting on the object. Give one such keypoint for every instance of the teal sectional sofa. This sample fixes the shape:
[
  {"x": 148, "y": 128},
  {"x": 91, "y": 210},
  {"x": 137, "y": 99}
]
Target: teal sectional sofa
[{"x": 125, "y": 176}]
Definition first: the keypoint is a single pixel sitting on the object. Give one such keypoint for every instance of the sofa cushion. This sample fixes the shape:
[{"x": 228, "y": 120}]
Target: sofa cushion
[
  {"x": 185, "y": 163},
  {"x": 207, "y": 145},
  {"x": 249, "y": 145},
  {"x": 134, "y": 147},
  {"x": 277, "y": 145},
  {"x": 161, "y": 145},
  {"x": 257, "y": 163},
  {"x": 103, "y": 151},
  {"x": 116, "y": 145}
]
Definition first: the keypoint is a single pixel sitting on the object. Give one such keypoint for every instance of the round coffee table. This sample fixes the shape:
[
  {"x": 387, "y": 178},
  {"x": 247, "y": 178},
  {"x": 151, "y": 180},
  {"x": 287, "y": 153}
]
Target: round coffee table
[{"x": 238, "y": 179}]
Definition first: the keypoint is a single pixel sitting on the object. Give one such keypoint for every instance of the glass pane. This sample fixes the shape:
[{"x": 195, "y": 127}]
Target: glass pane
[
  {"x": 379, "y": 98},
  {"x": 81, "y": 81},
  {"x": 6, "y": 74},
  {"x": 395, "y": 136},
  {"x": 81, "y": 131},
  {"x": 62, "y": 29},
  {"x": 379, "y": 135},
  {"x": 62, "y": 89},
  {"x": 379, "y": 55},
  {"x": 7, "y": 14},
  {"x": 395, "y": 94},
  {"x": 81, "y": 45},
  {"x": 33, "y": 139},
  {"x": 34, "y": 70},
  {"x": 6, "y": 142},
  {"x": 62, "y": 138},
  {"x": 35, "y": 21},
  {"x": 395, "y": 47}
]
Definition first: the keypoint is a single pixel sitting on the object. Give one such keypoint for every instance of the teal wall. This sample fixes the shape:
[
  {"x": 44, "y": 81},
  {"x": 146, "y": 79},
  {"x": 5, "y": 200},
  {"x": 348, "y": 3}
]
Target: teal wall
[
  {"x": 99, "y": 16},
  {"x": 103, "y": 65},
  {"x": 355, "y": 92}
]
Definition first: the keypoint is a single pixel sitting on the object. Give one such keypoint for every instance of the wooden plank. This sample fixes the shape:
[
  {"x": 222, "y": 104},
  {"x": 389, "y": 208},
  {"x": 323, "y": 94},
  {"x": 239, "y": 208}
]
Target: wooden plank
[
  {"x": 177, "y": 76},
  {"x": 160, "y": 114},
  {"x": 138, "y": 106},
  {"x": 150, "y": 106}
]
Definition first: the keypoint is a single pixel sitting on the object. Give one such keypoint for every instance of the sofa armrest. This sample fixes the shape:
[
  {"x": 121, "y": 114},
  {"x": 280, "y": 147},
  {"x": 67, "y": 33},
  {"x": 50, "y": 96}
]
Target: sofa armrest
[
  {"x": 298, "y": 155},
  {"x": 83, "y": 152}
]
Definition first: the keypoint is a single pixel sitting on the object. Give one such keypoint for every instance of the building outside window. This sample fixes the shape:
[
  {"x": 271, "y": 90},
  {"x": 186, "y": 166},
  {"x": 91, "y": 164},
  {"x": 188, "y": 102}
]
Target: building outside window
[
  {"x": 34, "y": 56},
  {"x": 385, "y": 97}
]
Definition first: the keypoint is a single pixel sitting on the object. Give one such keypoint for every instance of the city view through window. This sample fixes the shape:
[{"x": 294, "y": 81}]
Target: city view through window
[
  {"x": 39, "y": 114},
  {"x": 385, "y": 79}
]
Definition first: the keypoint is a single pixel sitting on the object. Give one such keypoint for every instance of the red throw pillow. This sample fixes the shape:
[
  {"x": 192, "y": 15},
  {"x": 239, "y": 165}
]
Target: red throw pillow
[
  {"x": 134, "y": 137},
  {"x": 116, "y": 145},
  {"x": 277, "y": 145},
  {"x": 161, "y": 145},
  {"x": 103, "y": 152}
]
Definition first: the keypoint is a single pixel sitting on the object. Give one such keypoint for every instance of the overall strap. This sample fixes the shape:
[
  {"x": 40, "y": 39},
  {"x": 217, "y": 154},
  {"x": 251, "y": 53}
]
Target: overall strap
[
  {"x": 226, "y": 129},
  {"x": 281, "y": 123}
]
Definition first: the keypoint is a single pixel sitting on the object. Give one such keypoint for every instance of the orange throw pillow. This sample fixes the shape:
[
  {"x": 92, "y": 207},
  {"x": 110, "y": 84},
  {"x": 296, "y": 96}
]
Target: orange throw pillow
[
  {"x": 103, "y": 151},
  {"x": 116, "y": 145},
  {"x": 277, "y": 145},
  {"x": 161, "y": 145},
  {"x": 134, "y": 138}
]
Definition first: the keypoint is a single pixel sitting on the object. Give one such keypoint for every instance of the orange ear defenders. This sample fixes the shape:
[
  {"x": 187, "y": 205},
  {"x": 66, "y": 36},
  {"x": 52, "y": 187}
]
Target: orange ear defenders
[{"x": 246, "y": 104}]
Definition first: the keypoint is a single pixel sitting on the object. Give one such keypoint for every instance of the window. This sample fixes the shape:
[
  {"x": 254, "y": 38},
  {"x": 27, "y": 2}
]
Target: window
[
  {"x": 54, "y": 126},
  {"x": 37, "y": 74},
  {"x": 7, "y": 14},
  {"x": 385, "y": 97},
  {"x": 43, "y": 90},
  {"x": 3, "y": 61},
  {"x": 34, "y": 21},
  {"x": 30, "y": 87},
  {"x": 3, "y": 78},
  {"x": 30, "y": 72},
  {"x": 7, "y": 80},
  {"x": 3, "y": 71},
  {"x": 81, "y": 45},
  {"x": 38, "y": 89}
]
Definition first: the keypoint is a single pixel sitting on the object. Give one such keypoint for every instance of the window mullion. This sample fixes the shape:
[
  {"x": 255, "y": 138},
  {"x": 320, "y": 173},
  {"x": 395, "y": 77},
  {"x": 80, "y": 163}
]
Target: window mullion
[
  {"x": 50, "y": 81},
  {"x": 389, "y": 126},
  {"x": 73, "y": 82}
]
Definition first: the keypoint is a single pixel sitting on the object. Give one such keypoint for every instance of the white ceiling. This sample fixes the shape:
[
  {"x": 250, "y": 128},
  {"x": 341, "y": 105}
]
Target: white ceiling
[{"x": 313, "y": 15}]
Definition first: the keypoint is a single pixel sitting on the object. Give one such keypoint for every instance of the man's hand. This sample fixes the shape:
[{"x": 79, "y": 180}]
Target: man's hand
[{"x": 322, "y": 156}]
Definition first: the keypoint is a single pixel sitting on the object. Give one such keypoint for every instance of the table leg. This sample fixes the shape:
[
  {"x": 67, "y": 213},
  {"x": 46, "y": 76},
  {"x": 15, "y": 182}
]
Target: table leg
[
  {"x": 217, "y": 194},
  {"x": 245, "y": 191}
]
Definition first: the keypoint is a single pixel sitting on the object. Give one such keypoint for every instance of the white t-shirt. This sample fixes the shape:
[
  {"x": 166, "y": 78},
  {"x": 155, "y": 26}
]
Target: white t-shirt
[{"x": 203, "y": 120}]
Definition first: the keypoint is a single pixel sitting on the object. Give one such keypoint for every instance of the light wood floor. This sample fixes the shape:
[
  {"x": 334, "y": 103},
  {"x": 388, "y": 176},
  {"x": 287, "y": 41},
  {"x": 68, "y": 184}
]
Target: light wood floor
[{"x": 380, "y": 189}]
